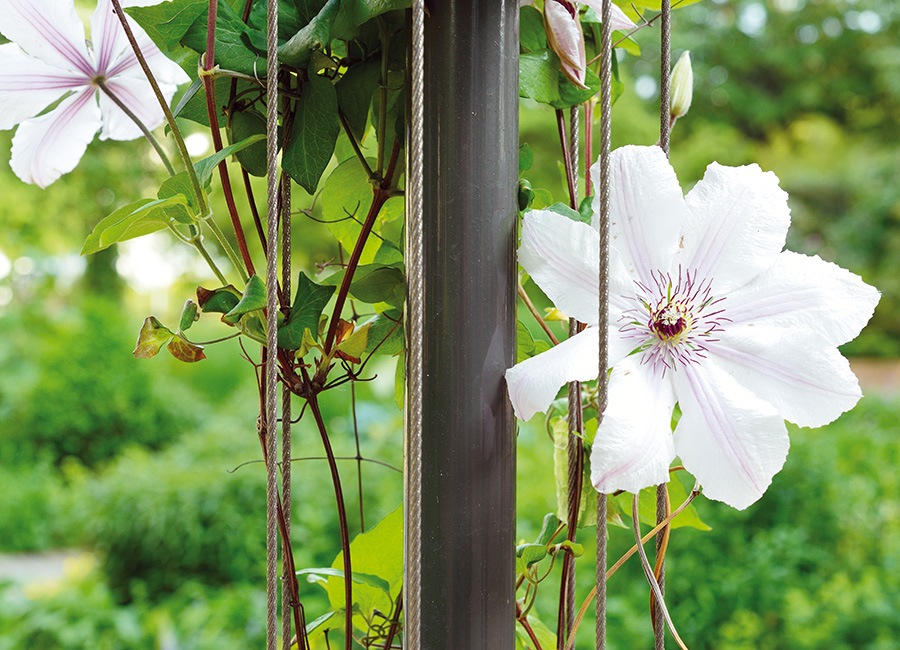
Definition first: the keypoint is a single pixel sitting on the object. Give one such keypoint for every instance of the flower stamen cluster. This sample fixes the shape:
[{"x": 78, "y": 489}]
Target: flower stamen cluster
[{"x": 673, "y": 320}]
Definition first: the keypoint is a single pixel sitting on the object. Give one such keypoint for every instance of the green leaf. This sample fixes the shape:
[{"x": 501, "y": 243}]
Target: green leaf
[
  {"x": 314, "y": 133},
  {"x": 587, "y": 506},
  {"x": 313, "y": 36},
  {"x": 346, "y": 198},
  {"x": 356, "y": 12},
  {"x": 539, "y": 74},
  {"x": 221, "y": 300},
  {"x": 566, "y": 211},
  {"x": 235, "y": 40},
  {"x": 524, "y": 342},
  {"x": 319, "y": 622},
  {"x": 253, "y": 158},
  {"x": 531, "y": 553},
  {"x": 388, "y": 254},
  {"x": 179, "y": 185},
  {"x": 354, "y": 94},
  {"x": 168, "y": 22},
  {"x": 142, "y": 217},
  {"x": 385, "y": 329},
  {"x": 206, "y": 166},
  {"x": 253, "y": 299},
  {"x": 570, "y": 94},
  {"x": 377, "y": 552},
  {"x": 309, "y": 301},
  {"x": 188, "y": 316},
  {"x": 184, "y": 350},
  {"x": 647, "y": 505},
  {"x": 400, "y": 381},
  {"x": 358, "y": 578},
  {"x": 382, "y": 284},
  {"x": 532, "y": 35},
  {"x": 526, "y": 158},
  {"x": 548, "y": 526},
  {"x": 356, "y": 344},
  {"x": 544, "y": 635},
  {"x": 152, "y": 337}
]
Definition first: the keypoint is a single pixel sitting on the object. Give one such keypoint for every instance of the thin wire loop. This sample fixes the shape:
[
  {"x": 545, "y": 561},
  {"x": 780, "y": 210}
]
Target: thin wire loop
[
  {"x": 270, "y": 416},
  {"x": 606, "y": 54},
  {"x": 414, "y": 341}
]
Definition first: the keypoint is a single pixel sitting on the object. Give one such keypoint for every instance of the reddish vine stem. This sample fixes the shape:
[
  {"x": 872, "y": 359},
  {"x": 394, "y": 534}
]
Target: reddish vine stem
[
  {"x": 380, "y": 194},
  {"x": 210, "y": 91},
  {"x": 567, "y": 158},
  {"x": 313, "y": 402},
  {"x": 525, "y": 624},
  {"x": 395, "y": 621}
]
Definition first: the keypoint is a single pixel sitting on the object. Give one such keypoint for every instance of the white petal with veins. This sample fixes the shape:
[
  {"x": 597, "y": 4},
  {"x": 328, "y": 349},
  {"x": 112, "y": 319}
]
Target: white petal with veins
[
  {"x": 633, "y": 447},
  {"x": 729, "y": 439},
  {"x": 46, "y": 147}
]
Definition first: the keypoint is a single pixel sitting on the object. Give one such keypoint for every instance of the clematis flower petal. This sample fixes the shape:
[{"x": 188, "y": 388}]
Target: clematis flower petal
[
  {"x": 49, "y": 30},
  {"x": 138, "y": 96},
  {"x": 807, "y": 380},
  {"x": 48, "y": 146},
  {"x": 738, "y": 221},
  {"x": 647, "y": 209},
  {"x": 809, "y": 293},
  {"x": 729, "y": 439},
  {"x": 561, "y": 257},
  {"x": 633, "y": 447},
  {"x": 534, "y": 383},
  {"x": 617, "y": 18},
  {"x": 28, "y": 85}
]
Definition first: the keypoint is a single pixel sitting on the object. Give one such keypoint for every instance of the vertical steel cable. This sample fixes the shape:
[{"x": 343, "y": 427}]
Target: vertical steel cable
[
  {"x": 271, "y": 321},
  {"x": 659, "y": 624},
  {"x": 574, "y": 402},
  {"x": 414, "y": 338},
  {"x": 603, "y": 290},
  {"x": 286, "y": 577}
]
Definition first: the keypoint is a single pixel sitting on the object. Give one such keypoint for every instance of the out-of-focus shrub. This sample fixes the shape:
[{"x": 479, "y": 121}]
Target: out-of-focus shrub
[{"x": 91, "y": 397}]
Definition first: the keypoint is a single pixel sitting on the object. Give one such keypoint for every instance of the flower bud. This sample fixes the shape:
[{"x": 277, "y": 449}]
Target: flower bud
[
  {"x": 565, "y": 37},
  {"x": 682, "y": 87}
]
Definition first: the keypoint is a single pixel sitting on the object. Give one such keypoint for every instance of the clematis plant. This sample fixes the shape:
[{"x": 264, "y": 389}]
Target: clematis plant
[
  {"x": 706, "y": 310},
  {"x": 565, "y": 37},
  {"x": 101, "y": 85}
]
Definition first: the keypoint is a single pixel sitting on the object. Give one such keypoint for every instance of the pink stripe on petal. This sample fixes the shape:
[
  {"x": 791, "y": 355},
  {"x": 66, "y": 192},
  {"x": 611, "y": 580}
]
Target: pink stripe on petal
[{"x": 52, "y": 35}]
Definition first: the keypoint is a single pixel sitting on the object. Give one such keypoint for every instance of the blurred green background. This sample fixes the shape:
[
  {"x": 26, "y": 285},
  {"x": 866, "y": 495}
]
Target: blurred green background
[{"x": 136, "y": 466}]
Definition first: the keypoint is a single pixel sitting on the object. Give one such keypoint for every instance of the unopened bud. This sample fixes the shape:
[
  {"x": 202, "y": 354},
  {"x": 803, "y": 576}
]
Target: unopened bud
[
  {"x": 682, "y": 87},
  {"x": 565, "y": 37}
]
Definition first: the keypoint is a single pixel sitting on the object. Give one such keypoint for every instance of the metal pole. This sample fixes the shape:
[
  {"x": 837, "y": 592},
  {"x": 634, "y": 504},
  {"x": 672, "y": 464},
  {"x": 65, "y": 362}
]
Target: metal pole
[{"x": 466, "y": 542}]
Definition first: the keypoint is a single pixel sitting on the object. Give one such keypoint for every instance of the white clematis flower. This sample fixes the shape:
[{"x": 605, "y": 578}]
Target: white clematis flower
[
  {"x": 49, "y": 60},
  {"x": 706, "y": 310}
]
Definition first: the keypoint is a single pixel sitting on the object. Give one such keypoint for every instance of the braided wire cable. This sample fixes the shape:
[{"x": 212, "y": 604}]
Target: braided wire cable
[
  {"x": 574, "y": 394},
  {"x": 659, "y": 625},
  {"x": 271, "y": 321},
  {"x": 286, "y": 576},
  {"x": 606, "y": 53},
  {"x": 414, "y": 340}
]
